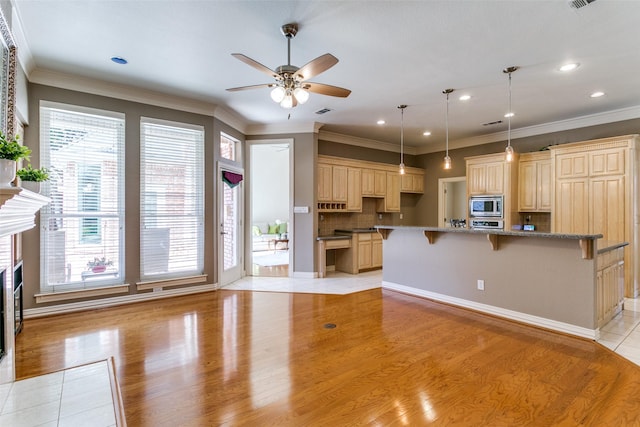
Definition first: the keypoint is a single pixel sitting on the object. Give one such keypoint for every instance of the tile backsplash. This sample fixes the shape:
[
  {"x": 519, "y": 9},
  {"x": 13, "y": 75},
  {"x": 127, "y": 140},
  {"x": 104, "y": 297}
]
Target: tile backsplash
[{"x": 328, "y": 222}]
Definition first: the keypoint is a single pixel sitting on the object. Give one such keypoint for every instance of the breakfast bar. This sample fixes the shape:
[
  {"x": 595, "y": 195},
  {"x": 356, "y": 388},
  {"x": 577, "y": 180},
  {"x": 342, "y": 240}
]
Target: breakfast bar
[{"x": 571, "y": 283}]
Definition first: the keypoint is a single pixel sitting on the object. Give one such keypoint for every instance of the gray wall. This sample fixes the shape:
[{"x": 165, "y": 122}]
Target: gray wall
[
  {"x": 133, "y": 112},
  {"x": 544, "y": 277}
]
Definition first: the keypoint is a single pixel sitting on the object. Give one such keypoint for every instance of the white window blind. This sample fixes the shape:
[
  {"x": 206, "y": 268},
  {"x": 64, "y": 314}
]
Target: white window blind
[
  {"x": 171, "y": 199},
  {"x": 81, "y": 242}
]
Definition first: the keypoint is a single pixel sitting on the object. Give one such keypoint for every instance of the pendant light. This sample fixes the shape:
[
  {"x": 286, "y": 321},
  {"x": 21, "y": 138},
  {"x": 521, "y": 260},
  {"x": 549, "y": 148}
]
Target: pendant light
[
  {"x": 509, "y": 150},
  {"x": 447, "y": 159},
  {"x": 402, "y": 107}
]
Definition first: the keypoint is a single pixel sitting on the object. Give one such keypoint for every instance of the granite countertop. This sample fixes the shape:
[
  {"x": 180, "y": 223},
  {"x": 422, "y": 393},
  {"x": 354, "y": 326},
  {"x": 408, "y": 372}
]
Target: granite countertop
[
  {"x": 609, "y": 245},
  {"x": 334, "y": 237},
  {"x": 357, "y": 230},
  {"x": 496, "y": 232}
]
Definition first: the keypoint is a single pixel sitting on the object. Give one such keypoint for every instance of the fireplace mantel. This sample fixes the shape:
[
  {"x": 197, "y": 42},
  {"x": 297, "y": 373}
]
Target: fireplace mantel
[{"x": 18, "y": 208}]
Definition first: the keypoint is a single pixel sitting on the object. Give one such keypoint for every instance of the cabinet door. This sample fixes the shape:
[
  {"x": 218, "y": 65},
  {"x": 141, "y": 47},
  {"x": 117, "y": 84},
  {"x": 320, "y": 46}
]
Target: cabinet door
[
  {"x": 392, "y": 198},
  {"x": 495, "y": 178},
  {"x": 339, "y": 184},
  {"x": 380, "y": 183},
  {"x": 607, "y": 207},
  {"x": 406, "y": 183},
  {"x": 418, "y": 183},
  {"x": 364, "y": 251},
  {"x": 572, "y": 165},
  {"x": 325, "y": 182},
  {"x": 376, "y": 250},
  {"x": 607, "y": 162},
  {"x": 572, "y": 206},
  {"x": 476, "y": 179},
  {"x": 545, "y": 186},
  {"x": 527, "y": 186},
  {"x": 354, "y": 189},
  {"x": 368, "y": 182}
]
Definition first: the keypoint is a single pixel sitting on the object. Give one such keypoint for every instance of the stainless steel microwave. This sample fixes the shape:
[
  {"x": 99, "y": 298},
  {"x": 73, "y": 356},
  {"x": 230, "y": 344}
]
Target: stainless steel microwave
[{"x": 485, "y": 206}]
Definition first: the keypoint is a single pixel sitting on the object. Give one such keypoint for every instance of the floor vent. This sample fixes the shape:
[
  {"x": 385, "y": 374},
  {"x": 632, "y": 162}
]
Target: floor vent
[{"x": 577, "y": 4}]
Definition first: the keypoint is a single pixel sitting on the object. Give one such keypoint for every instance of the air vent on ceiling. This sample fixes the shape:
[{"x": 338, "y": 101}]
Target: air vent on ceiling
[
  {"x": 324, "y": 110},
  {"x": 497, "y": 122},
  {"x": 577, "y": 4}
]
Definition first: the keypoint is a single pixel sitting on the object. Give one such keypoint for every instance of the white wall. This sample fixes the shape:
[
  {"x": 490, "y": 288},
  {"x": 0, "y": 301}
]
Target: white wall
[{"x": 269, "y": 183}]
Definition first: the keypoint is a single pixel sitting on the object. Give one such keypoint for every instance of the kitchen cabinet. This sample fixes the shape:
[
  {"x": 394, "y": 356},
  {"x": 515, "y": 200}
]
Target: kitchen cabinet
[
  {"x": 364, "y": 251},
  {"x": 391, "y": 200},
  {"x": 534, "y": 182},
  {"x": 594, "y": 193},
  {"x": 339, "y": 188},
  {"x": 412, "y": 183},
  {"x": 609, "y": 285},
  {"x": 485, "y": 178},
  {"x": 374, "y": 182},
  {"x": 376, "y": 250}
]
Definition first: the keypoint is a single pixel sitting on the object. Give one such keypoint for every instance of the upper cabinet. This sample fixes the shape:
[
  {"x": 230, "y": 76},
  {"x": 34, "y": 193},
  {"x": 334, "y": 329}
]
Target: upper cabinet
[
  {"x": 535, "y": 187},
  {"x": 342, "y": 183}
]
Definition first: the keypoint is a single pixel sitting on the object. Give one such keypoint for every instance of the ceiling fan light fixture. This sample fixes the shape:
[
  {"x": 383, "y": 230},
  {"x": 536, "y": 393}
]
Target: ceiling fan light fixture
[
  {"x": 301, "y": 95},
  {"x": 287, "y": 102},
  {"x": 278, "y": 94}
]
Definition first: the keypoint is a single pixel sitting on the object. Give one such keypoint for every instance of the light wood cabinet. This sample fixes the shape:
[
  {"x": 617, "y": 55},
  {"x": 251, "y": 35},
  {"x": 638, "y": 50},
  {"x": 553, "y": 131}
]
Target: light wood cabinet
[
  {"x": 412, "y": 183},
  {"x": 339, "y": 188},
  {"x": 485, "y": 178},
  {"x": 609, "y": 285},
  {"x": 535, "y": 186},
  {"x": 364, "y": 251},
  {"x": 391, "y": 200},
  {"x": 594, "y": 193},
  {"x": 354, "y": 190},
  {"x": 376, "y": 250},
  {"x": 368, "y": 181},
  {"x": 374, "y": 182}
]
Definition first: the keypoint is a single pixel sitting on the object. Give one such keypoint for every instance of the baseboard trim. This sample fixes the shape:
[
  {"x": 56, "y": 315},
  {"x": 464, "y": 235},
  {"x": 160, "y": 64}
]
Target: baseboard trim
[
  {"x": 31, "y": 313},
  {"x": 567, "y": 328}
]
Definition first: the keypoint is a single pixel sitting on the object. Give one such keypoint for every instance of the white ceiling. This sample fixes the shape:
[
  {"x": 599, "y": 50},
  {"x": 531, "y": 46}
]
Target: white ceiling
[{"x": 390, "y": 53}]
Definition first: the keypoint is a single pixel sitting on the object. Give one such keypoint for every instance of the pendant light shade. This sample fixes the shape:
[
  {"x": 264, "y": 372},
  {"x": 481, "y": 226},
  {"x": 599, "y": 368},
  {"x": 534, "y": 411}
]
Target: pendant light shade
[
  {"x": 509, "y": 150},
  {"x": 401, "y": 169},
  {"x": 447, "y": 159}
]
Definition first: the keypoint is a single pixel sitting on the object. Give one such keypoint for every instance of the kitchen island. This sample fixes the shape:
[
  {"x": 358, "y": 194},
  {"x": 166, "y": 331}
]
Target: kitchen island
[{"x": 566, "y": 282}]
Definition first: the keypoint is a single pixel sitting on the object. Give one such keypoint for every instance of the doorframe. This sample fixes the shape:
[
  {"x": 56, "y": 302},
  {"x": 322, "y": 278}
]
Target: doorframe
[
  {"x": 249, "y": 208},
  {"x": 441, "y": 196},
  {"x": 225, "y": 165}
]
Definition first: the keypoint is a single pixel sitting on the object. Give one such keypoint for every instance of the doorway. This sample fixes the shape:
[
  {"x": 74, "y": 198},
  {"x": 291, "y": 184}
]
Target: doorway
[
  {"x": 230, "y": 196},
  {"x": 452, "y": 201},
  {"x": 270, "y": 195}
]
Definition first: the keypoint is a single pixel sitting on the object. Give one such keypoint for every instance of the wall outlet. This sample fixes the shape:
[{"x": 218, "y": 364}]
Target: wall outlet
[
  {"x": 401, "y": 216},
  {"x": 379, "y": 216},
  {"x": 321, "y": 217},
  {"x": 480, "y": 285}
]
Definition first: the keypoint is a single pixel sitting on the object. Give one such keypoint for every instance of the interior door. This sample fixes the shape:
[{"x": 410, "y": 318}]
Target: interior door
[{"x": 230, "y": 242}]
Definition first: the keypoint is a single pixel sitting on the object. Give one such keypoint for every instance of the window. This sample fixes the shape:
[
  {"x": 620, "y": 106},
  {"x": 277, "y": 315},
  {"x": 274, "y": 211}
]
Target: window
[
  {"x": 81, "y": 242},
  {"x": 229, "y": 148},
  {"x": 171, "y": 199}
]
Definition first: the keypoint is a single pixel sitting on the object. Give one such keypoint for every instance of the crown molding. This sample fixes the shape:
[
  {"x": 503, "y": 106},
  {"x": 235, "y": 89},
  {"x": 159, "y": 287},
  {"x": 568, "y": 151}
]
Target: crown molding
[
  {"x": 231, "y": 118},
  {"x": 619, "y": 115},
  {"x": 280, "y": 128},
  {"x": 25, "y": 58},
  {"x": 364, "y": 142}
]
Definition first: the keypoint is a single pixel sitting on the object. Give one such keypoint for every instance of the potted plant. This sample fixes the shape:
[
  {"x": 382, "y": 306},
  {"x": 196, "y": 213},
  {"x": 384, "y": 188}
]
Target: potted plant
[
  {"x": 31, "y": 178},
  {"x": 99, "y": 265},
  {"x": 10, "y": 152}
]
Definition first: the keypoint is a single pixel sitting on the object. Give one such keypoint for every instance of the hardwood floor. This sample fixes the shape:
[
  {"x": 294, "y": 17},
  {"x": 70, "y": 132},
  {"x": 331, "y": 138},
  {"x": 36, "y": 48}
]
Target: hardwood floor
[{"x": 261, "y": 359}]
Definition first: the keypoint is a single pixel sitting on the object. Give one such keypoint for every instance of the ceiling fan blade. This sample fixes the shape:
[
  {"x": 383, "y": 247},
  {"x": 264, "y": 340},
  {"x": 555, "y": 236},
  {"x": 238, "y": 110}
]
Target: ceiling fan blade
[
  {"x": 236, "y": 89},
  {"x": 324, "y": 89},
  {"x": 317, "y": 66},
  {"x": 255, "y": 64}
]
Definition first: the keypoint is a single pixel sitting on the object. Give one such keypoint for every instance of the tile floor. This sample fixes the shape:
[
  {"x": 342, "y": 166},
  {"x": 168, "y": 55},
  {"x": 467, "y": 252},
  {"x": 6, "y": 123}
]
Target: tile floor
[
  {"x": 74, "y": 397},
  {"x": 621, "y": 335}
]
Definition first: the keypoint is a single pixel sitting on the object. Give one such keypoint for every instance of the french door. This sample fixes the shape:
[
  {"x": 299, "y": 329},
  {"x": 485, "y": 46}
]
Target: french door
[{"x": 230, "y": 227}]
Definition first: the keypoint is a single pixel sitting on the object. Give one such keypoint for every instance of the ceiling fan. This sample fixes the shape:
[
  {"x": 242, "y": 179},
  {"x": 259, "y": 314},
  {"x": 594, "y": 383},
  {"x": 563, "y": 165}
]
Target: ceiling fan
[{"x": 291, "y": 86}]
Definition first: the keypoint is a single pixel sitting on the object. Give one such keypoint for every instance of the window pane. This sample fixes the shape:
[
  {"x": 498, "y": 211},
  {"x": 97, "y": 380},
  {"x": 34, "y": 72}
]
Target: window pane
[
  {"x": 171, "y": 199},
  {"x": 229, "y": 148},
  {"x": 82, "y": 228}
]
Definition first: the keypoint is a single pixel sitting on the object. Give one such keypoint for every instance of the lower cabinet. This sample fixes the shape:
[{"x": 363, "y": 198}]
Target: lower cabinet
[
  {"x": 609, "y": 285},
  {"x": 365, "y": 253}
]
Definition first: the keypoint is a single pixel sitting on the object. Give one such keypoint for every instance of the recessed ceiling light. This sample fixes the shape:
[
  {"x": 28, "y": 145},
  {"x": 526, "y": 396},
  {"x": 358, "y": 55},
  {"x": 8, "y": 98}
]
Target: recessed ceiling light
[
  {"x": 597, "y": 94},
  {"x": 426, "y": 133},
  {"x": 381, "y": 122},
  {"x": 509, "y": 115},
  {"x": 119, "y": 60},
  {"x": 569, "y": 67},
  {"x": 465, "y": 97}
]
